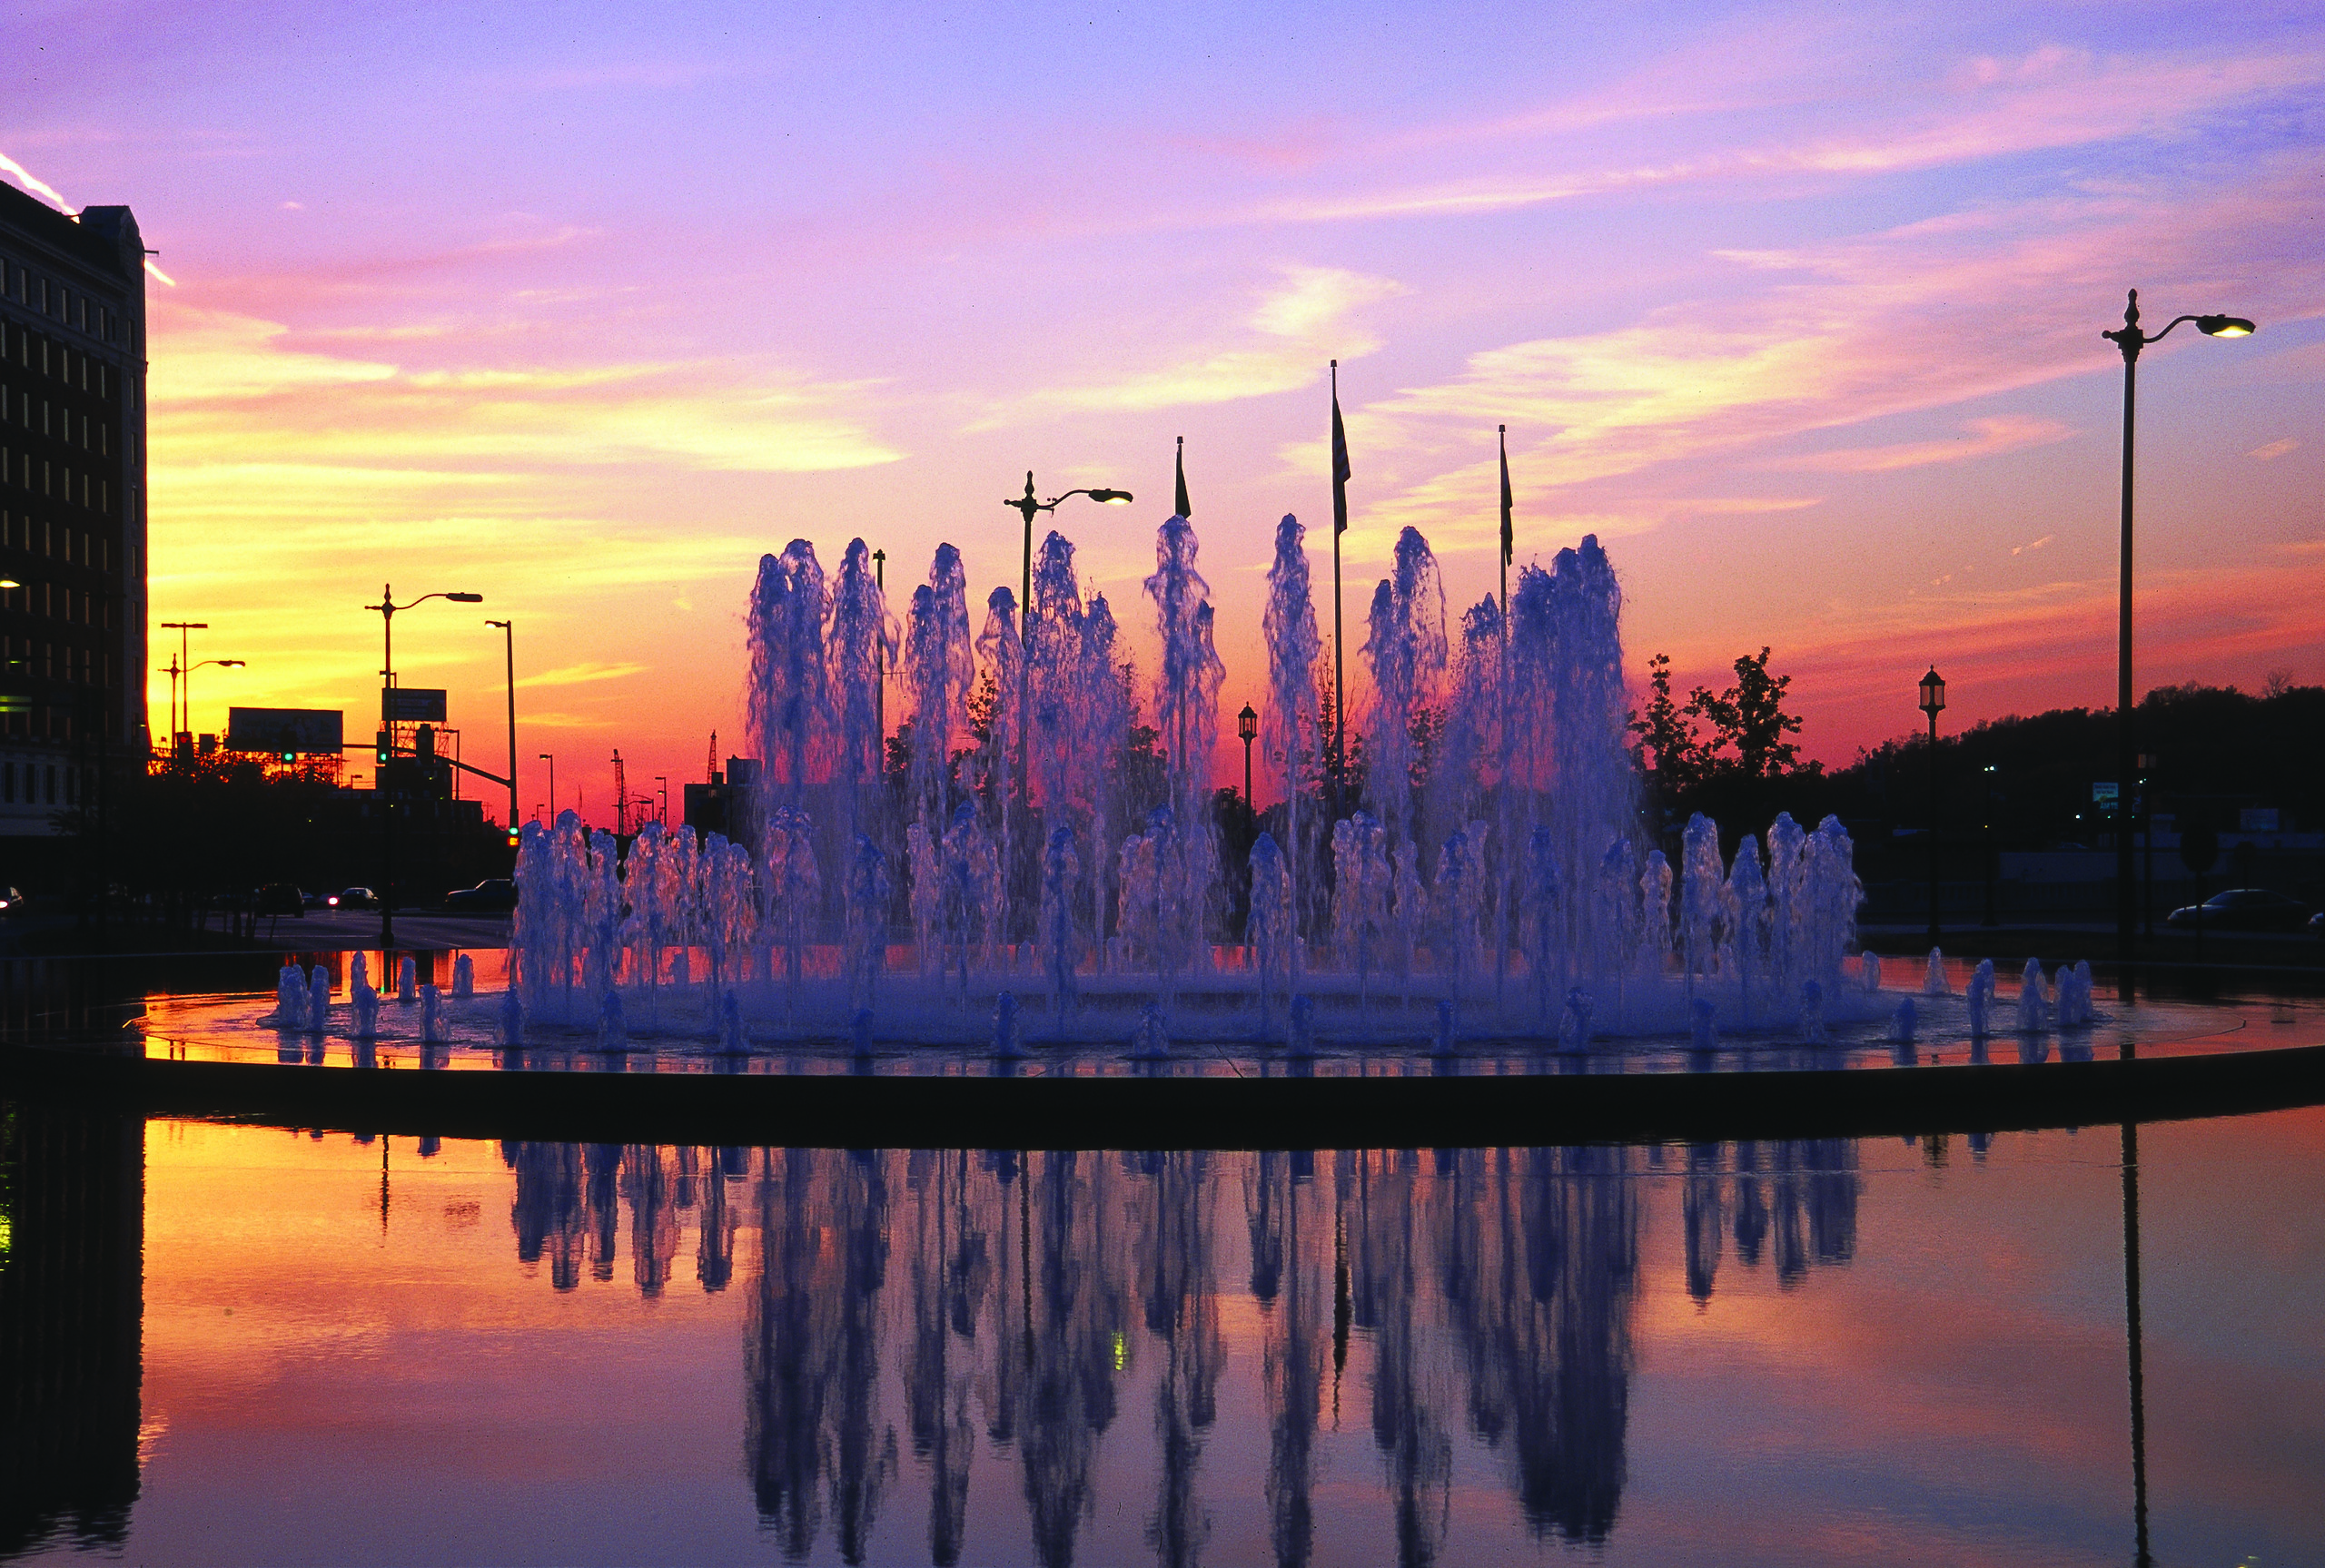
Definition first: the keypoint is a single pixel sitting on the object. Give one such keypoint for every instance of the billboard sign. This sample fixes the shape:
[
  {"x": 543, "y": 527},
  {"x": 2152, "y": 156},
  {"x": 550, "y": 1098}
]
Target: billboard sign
[
  {"x": 411, "y": 706},
  {"x": 281, "y": 730},
  {"x": 2103, "y": 792}
]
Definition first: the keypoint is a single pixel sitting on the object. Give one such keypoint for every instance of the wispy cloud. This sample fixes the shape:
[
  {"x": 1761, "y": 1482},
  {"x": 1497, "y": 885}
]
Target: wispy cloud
[
  {"x": 583, "y": 674},
  {"x": 1300, "y": 324},
  {"x": 2274, "y": 449},
  {"x": 1981, "y": 439}
]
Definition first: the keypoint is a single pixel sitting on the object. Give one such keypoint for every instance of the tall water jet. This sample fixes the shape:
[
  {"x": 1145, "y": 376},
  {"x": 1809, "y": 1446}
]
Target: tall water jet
[
  {"x": 1268, "y": 927},
  {"x": 432, "y": 1015},
  {"x": 1000, "y": 753},
  {"x": 861, "y": 648},
  {"x": 318, "y": 999},
  {"x": 868, "y": 890},
  {"x": 463, "y": 977},
  {"x": 788, "y": 701},
  {"x": 1934, "y": 981},
  {"x": 940, "y": 668},
  {"x": 1288, "y": 729},
  {"x": 1056, "y": 939},
  {"x": 1746, "y": 911},
  {"x": 1406, "y": 649},
  {"x": 407, "y": 979},
  {"x": 1186, "y": 720}
]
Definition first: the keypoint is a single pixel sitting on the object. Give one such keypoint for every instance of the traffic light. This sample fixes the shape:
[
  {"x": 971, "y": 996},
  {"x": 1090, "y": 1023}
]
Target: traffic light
[
  {"x": 424, "y": 744},
  {"x": 514, "y": 836},
  {"x": 290, "y": 757},
  {"x": 382, "y": 748}
]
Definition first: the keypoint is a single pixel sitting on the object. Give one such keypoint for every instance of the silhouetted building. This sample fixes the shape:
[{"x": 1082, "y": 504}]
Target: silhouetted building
[{"x": 71, "y": 504}]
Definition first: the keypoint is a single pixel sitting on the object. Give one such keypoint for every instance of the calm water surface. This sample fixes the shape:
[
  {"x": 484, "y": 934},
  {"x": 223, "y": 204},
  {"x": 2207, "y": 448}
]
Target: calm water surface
[{"x": 1835, "y": 1351}]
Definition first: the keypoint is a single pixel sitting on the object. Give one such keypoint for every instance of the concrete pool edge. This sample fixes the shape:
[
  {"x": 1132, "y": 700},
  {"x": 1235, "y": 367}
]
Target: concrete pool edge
[{"x": 837, "y": 1112}]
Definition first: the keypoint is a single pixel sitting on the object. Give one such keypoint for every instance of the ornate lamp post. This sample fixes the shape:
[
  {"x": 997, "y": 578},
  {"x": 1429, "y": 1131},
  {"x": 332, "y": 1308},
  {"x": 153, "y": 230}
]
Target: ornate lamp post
[
  {"x": 1247, "y": 725},
  {"x": 1028, "y": 506},
  {"x": 1933, "y": 704},
  {"x": 2130, "y": 341},
  {"x": 1992, "y": 865}
]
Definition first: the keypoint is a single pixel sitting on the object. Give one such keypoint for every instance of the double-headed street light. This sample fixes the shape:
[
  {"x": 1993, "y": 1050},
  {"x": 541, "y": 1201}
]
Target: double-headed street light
[
  {"x": 2130, "y": 341},
  {"x": 1030, "y": 505},
  {"x": 387, "y": 606},
  {"x": 182, "y": 628},
  {"x": 1933, "y": 704}
]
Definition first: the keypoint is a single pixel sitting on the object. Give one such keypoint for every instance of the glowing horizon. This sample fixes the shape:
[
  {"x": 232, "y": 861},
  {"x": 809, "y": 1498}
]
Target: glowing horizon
[{"x": 1798, "y": 313}]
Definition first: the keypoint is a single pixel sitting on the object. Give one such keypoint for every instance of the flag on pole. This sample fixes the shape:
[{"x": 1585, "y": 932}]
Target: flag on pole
[
  {"x": 1339, "y": 460},
  {"x": 1185, "y": 510},
  {"x": 1509, "y": 534}
]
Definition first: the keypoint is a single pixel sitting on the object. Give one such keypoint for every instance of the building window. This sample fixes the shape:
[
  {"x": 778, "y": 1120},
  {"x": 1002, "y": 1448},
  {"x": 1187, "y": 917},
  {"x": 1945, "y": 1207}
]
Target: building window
[{"x": 52, "y": 784}]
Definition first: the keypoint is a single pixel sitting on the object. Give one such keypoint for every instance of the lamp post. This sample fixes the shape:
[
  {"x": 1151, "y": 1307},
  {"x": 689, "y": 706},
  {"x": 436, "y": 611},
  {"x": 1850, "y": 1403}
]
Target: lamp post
[
  {"x": 176, "y": 713},
  {"x": 1991, "y": 864},
  {"x": 188, "y": 674},
  {"x": 509, "y": 649},
  {"x": 387, "y": 606},
  {"x": 1247, "y": 725},
  {"x": 662, "y": 787},
  {"x": 550, "y": 758},
  {"x": 1028, "y": 506},
  {"x": 2130, "y": 341},
  {"x": 1933, "y": 704}
]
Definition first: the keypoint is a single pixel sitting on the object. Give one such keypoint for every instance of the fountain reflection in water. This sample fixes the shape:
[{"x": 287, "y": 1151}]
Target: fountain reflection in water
[{"x": 1487, "y": 873}]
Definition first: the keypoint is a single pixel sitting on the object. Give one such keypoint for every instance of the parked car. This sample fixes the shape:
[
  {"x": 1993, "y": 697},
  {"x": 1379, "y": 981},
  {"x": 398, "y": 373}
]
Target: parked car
[
  {"x": 2243, "y": 909},
  {"x": 493, "y": 895},
  {"x": 10, "y": 900},
  {"x": 280, "y": 898},
  {"x": 354, "y": 898}
]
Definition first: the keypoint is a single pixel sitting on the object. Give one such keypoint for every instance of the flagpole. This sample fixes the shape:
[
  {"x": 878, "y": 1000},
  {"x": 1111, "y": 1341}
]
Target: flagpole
[
  {"x": 1340, "y": 642},
  {"x": 1506, "y": 539}
]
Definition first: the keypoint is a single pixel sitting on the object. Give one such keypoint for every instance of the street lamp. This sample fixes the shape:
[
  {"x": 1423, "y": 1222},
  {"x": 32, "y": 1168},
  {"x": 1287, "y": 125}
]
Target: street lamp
[
  {"x": 2130, "y": 341},
  {"x": 1247, "y": 725},
  {"x": 182, "y": 628},
  {"x": 1028, "y": 506},
  {"x": 662, "y": 787},
  {"x": 387, "y": 606},
  {"x": 188, "y": 673},
  {"x": 1933, "y": 704},
  {"x": 509, "y": 649},
  {"x": 550, "y": 758}
]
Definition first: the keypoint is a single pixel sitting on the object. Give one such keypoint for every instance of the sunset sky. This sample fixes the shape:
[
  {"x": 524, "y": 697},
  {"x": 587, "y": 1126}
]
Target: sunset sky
[{"x": 584, "y": 307}]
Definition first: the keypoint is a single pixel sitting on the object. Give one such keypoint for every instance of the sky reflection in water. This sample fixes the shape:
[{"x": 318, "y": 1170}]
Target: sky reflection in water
[{"x": 1786, "y": 1352}]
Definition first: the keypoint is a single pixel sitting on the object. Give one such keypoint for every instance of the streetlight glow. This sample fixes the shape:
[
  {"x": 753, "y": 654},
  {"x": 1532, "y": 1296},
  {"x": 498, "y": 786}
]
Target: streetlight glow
[{"x": 2224, "y": 327}]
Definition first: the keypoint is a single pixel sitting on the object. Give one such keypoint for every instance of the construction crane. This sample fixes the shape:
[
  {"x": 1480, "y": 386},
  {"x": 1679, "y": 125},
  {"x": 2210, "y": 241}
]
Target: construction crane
[
  {"x": 621, "y": 798},
  {"x": 710, "y": 765}
]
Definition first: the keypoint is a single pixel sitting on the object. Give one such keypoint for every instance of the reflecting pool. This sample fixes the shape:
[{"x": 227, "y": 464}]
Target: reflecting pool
[{"x": 251, "y": 1344}]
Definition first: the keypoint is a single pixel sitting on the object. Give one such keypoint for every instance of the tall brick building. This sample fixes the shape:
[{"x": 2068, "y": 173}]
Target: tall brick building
[{"x": 71, "y": 506}]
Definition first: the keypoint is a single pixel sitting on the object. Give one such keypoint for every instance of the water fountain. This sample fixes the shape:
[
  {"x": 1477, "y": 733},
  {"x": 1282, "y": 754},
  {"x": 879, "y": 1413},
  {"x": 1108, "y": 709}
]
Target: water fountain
[{"x": 1487, "y": 875}]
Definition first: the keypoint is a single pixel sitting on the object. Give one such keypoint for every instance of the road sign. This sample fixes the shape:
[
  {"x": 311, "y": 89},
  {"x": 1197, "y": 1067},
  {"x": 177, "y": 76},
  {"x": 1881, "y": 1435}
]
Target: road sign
[
  {"x": 412, "y": 704},
  {"x": 2105, "y": 793},
  {"x": 279, "y": 730}
]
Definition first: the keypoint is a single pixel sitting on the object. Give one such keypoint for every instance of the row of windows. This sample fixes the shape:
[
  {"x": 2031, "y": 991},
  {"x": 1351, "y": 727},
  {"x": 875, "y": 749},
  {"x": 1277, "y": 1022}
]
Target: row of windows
[
  {"x": 57, "y": 481},
  {"x": 71, "y": 605},
  {"x": 75, "y": 546},
  {"x": 21, "y": 658},
  {"x": 52, "y": 298},
  {"x": 39, "y": 417},
  {"x": 39, "y": 781},
  {"x": 79, "y": 369}
]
